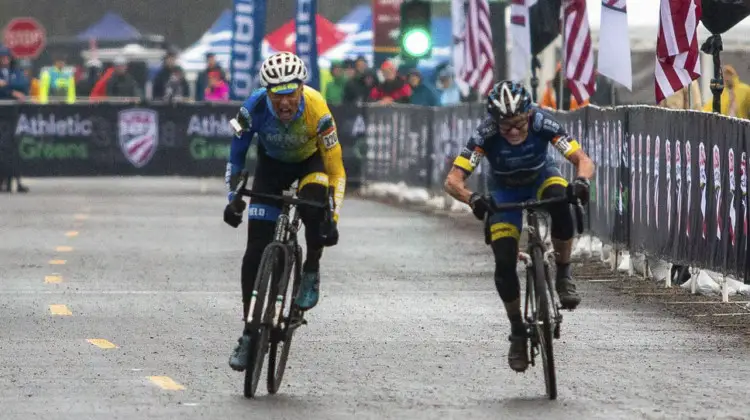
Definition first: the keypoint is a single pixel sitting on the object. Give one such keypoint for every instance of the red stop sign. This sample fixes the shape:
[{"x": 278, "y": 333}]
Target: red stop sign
[{"x": 25, "y": 37}]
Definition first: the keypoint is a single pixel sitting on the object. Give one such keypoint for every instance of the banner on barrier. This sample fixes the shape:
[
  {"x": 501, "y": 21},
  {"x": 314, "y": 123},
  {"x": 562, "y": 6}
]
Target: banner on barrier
[
  {"x": 672, "y": 184},
  {"x": 111, "y": 139}
]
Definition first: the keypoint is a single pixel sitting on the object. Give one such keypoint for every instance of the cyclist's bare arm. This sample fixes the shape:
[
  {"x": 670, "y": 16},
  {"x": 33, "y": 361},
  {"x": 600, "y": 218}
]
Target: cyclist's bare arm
[
  {"x": 583, "y": 163},
  {"x": 571, "y": 149},
  {"x": 463, "y": 166},
  {"x": 455, "y": 184}
]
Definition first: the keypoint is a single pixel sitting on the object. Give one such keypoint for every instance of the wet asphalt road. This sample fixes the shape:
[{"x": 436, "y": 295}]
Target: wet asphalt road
[{"x": 409, "y": 325}]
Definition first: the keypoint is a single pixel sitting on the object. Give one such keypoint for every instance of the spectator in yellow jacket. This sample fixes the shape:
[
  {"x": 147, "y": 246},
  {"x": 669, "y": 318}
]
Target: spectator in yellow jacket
[
  {"x": 58, "y": 81},
  {"x": 735, "y": 99}
]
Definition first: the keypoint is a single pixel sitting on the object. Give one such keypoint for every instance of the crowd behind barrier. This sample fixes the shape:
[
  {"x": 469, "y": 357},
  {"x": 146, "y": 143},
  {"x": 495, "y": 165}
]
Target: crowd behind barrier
[{"x": 669, "y": 184}]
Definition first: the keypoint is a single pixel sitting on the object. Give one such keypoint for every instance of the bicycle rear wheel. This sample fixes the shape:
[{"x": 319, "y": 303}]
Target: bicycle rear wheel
[
  {"x": 262, "y": 313},
  {"x": 544, "y": 322},
  {"x": 290, "y": 316}
]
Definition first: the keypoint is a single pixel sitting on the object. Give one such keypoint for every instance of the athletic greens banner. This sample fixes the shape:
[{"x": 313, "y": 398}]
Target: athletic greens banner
[{"x": 150, "y": 140}]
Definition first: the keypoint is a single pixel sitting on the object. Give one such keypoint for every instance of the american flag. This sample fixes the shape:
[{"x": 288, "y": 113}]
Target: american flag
[
  {"x": 677, "y": 57},
  {"x": 478, "y": 61},
  {"x": 579, "y": 52}
]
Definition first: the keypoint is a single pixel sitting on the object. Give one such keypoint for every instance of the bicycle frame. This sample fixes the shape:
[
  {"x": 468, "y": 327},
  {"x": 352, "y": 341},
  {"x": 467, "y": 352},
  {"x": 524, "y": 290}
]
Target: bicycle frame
[
  {"x": 535, "y": 240},
  {"x": 285, "y": 234}
]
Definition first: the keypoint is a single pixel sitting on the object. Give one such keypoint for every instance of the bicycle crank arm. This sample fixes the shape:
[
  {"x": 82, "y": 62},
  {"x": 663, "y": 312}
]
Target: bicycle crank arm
[{"x": 297, "y": 323}]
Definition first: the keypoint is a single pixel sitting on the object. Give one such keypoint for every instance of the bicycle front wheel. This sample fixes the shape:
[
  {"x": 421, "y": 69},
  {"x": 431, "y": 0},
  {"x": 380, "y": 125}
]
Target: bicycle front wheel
[
  {"x": 291, "y": 318},
  {"x": 544, "y": 325},
  {"x": 272, "y": 257}
]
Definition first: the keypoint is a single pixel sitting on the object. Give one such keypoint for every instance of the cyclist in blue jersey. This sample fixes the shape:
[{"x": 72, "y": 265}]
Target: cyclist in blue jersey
[
  {"x": 515, "y": 139},
  {"x": 297, "y": 141}
]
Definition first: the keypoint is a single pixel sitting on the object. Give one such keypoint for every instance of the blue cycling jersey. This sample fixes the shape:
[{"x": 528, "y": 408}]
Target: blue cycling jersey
[{"x": 516, "y": 164}]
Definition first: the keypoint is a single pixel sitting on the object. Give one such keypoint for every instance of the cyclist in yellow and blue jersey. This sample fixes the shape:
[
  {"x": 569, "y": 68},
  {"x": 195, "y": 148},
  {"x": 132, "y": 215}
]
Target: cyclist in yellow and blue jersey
[
  {"x": 297, "y": 141},
  {"x": 515, "y": 138}
]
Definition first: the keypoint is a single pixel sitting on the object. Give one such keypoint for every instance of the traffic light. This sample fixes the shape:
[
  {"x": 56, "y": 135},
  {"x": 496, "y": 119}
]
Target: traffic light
[{"x": 416, "y": 37}]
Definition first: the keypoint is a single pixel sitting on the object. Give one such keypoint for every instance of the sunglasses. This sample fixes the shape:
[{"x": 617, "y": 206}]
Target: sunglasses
[
  {"x": 518, "y": 124},
  {"x": 284, "y": 89}
]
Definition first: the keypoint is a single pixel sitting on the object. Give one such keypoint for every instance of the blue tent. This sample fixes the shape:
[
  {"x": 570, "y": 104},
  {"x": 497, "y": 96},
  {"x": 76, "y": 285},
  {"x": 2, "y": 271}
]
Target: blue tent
[{"x": 111, "y": 27}]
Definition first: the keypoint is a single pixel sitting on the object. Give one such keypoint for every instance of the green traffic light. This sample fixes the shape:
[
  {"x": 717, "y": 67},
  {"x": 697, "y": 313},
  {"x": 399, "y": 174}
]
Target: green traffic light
[{"x": 417, "y": 42}]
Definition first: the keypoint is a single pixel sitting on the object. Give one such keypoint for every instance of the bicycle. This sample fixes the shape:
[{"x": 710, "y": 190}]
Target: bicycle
[
  {"x": 271, "y": 321},
  {"x": 542, "y": 306}
]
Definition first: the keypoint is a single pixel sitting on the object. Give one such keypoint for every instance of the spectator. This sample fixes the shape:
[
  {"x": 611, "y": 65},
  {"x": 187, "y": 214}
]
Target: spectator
[
  {"x": 202, "y": 82},
  {"x": 12, "y": 86},
  {"x": 357, "y": 88},
  {"x": 20, "y": 84},
  {"x": 5, "y": 73},
  {"x": 100, "y": 88},
  {"x": 93, "y": 74},
  {"x": 549, "y": 98},
  {"x": 735, "y": 98},
  {"x": 122, "y": 84},
  {"x": 165, "y": 75},
  {"x": 421, "y": 93},
  {"x": 176, "y": 87},
  {"x": 357, "y": 91},
  {"x": 350, "y": 69},
  {"x": 335, "y": 88},
  {"x": 218, "y": 89},
  {"x": 57, "y": 81},
  {"x": 392, "y": 89},
  {"x": 30, "y": 83},
  {"x": 360, "y": 66},
  {"x": 449, "y": 92},
  {"x": 682, "y": 98}
]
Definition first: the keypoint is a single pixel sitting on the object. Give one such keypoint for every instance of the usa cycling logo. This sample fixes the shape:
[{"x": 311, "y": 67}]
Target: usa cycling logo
[{"x": 139, "y": 135}]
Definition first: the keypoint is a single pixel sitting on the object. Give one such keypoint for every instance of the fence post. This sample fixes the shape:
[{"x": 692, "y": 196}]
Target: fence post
[{"x": 724, "y": 289}]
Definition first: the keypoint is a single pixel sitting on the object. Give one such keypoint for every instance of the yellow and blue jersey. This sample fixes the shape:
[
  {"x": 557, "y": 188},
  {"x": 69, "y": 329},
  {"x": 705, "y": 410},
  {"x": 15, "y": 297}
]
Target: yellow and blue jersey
[
  {"x": 519, "y": 164},
  {"x": 312, "y": 130}
]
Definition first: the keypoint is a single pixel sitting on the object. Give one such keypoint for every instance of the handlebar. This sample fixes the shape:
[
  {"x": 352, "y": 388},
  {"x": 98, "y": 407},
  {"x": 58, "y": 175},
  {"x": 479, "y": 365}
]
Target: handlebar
[
  {"x": 242, "y": 191},
  {"x": 530, "y": 204},
  {"x": 535, "y": 204}
]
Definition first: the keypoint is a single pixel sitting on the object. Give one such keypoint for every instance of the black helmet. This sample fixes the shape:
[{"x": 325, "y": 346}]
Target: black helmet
[{"x": 508, "y": 99}]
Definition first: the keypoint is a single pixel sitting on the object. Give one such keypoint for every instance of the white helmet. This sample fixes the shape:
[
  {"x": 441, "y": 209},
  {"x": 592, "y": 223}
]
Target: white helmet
[{"x": 282, "y": 67}]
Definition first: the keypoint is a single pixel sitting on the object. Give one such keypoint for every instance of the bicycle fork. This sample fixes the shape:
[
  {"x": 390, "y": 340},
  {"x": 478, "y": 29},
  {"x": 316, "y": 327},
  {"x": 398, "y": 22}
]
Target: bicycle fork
[{"x": 549, "y": 257}]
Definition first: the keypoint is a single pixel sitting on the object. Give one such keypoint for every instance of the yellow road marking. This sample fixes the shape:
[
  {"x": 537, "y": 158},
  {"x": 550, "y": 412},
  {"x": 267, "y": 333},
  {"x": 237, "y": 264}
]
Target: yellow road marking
[
  {"x": 81, "y": 216},
  {"x": 165, "y": 382},
  {"x": 64, "y": 248},
  {"x": 59, "y": 310},
  {"x": 102, "y": 343},
  {"x": 55, "y": 278},
  {"x": 71, "y": 234},
  {"x": 57, "y": 262}
]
